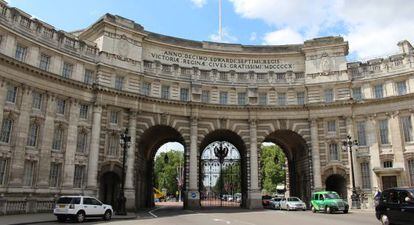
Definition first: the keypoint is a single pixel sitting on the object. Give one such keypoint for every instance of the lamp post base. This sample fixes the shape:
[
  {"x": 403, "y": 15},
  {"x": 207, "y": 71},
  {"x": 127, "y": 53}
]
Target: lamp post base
[
  {"x": 121, "y": 205},
  {"x": 356, "y": 203}
]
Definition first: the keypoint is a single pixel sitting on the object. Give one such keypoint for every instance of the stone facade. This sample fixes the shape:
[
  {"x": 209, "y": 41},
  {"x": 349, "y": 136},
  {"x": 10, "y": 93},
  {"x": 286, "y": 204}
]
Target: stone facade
[{"x": 66, "y": 97}]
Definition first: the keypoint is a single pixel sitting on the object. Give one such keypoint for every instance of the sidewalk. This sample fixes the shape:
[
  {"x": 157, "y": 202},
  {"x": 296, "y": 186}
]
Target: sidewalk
[{"x": 45, "y": 217}]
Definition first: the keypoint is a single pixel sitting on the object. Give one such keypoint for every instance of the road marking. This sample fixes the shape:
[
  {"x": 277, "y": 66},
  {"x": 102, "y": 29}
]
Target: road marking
[
  {"x": 221, "y": 220},
  {"x": 152, "y": 212}
]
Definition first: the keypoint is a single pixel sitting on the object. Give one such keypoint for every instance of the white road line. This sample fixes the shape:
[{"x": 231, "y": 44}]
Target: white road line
[{"x": 152, "y": 212}]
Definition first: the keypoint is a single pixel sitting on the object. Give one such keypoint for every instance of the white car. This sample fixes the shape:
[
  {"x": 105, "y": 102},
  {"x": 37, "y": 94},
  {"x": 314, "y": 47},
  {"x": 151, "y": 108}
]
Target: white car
[
  {"x": 292, "y": 203},
  {"x": 80, "y": 207}
]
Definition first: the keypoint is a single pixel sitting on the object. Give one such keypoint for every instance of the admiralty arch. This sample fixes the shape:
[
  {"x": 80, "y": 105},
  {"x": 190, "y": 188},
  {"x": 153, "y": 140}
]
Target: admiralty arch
[{"x": 65, "y": 98}]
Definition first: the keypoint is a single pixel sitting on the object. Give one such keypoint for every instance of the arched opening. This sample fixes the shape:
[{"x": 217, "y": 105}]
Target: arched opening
[
  {"x": 273, "y": 167},
  {"x": 337, "y": 183},
  {"x": 110, "y": 184},
  {"x": 298, "y": 162},
  {"x": 222, "y": 176},
  {"x": 150, "y": 143}
]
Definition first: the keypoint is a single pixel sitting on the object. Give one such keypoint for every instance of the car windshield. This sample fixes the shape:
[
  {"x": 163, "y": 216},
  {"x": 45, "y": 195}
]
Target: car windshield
[
  {"x": 331, "y": 196},
  {"x": 266, "y": 197},
  {"x": 67, "y": 200},
  {"x": 293, "y": 200},
  {"x": 277, "y": 199}
]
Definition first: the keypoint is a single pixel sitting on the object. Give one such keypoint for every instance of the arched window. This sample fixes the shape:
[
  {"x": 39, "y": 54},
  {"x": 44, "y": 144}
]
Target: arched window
[
  {"x": 6, "y": 130},
  {"x": 32, "y": 136},
  {"x": 113, "y": 144},
  {"x": 333, "y": 152},
  {"x": 57, "y": 139}
]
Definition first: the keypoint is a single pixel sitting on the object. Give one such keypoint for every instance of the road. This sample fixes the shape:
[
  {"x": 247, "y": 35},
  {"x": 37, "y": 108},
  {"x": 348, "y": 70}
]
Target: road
[{"x": 177, "y": 216}]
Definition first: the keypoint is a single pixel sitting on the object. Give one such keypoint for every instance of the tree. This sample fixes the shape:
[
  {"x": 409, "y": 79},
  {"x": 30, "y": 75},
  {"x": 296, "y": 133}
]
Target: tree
[
  {"x": 166, "y": 171},
  {"x": 272, "y": 173}
]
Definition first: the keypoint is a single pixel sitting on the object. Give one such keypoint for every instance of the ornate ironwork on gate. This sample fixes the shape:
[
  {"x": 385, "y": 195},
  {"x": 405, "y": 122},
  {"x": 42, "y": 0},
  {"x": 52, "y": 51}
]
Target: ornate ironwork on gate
[{"x": 220, "y": 173}]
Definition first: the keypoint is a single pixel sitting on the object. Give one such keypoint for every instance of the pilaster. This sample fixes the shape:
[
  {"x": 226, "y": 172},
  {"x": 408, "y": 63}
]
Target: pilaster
[
  {"x": 72, "y": 137},
  {"x": 193, "y": 195},
  {"x": 316, "y": 164},
  {"x": 254, "y": 200},
  {"x": 373, "y": 143},
  {"x": 357, "y": 170},
  {"x": 94, "y": 149},
  {"x": 3, "y": 91}
]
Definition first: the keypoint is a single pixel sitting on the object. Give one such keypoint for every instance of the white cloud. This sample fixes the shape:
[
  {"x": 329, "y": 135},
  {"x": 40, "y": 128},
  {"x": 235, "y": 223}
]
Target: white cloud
[
  {"x": 372, "y": 27},
  {"x": 226, "y": 37},
  {"x": 199, "y": 3},
  {"x": 253, "y": 36}
]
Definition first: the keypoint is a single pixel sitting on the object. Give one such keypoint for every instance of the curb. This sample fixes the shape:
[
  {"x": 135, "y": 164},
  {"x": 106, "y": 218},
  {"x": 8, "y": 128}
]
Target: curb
[{"x": 51, "y": 221}]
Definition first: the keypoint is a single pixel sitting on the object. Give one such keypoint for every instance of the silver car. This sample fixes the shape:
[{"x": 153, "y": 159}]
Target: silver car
[
  {"x": 292, "y": 203},
  {"x": 274, "y": 203}
]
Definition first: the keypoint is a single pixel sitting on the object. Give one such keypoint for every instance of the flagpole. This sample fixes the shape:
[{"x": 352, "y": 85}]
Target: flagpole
[{"x": 220, "y": 25}]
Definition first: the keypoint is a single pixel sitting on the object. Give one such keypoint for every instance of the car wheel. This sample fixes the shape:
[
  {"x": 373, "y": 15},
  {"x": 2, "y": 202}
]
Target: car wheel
[
  {"x": 328, "y": 210},
  {"x": 385, "y": 220},
  {"x": 108, "y": 215},
  {"x": 313, "y": 209},
  {"x": 61, "y": 219},
  {"x": 346, "y": 211},
  {"x": 80, "y": 217}
]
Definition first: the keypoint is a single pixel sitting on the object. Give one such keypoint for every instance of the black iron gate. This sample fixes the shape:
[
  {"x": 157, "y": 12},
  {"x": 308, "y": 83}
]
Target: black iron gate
[{"x": 220, "y": 175}]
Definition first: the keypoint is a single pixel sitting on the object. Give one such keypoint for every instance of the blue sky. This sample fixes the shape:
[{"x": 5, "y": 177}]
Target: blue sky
[{"x": 372, "y": 27}]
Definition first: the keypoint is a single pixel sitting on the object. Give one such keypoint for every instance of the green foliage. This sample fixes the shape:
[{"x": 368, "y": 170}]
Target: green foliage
[
  {"x": 272, "y": 173},
  {"x": 229, "y": 180},
  {"x": 166, "y": 173}
]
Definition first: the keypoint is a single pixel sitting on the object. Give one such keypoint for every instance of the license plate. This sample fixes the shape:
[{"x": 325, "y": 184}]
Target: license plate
[{"x": 61, "y": 206}]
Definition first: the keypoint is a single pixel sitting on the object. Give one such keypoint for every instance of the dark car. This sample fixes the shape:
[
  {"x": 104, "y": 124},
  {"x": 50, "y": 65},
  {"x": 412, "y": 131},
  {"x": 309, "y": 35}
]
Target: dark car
[
  {"x": 266, "y": 200},
  {"x": 396, "y": 206}
]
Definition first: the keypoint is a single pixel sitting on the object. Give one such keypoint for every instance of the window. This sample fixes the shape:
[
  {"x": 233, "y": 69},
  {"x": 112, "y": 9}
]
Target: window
[
  {"x": 300, "y": 96},
  {"x": 67, "y": 70},
  {"x": 37, "y": 100},
  {"x": 331, "y": 126},
  {"x": 383, "y": 126},
  {"x": 411, "y": 170},
  {"x": 60, "y": 106},
  {"x": 333, "y": 152},
  {"x": 329, "y": 97},
  {"x": 29, "y": 170},
  {"x": 55, "y": 174},
  {"x": 3, "y": 171},
  {"x": 165, "y": 91},
  {"x": 223, "y": 97},
  {"x": 57, "y": 139},
  {"x": 407, "y": 128},
  {"x": 378, "y": 91},
  {"x": 6, "y": 130},
  {"x": 79, "y": 176},
  {"x": 280, "y": 76},
  {"x": 33, "y": 134},
  {"x": 241, "y": 98},
  {"x": 401, "y": 88},
  {"x": 88, "y": 78},
  {"x": 146, "y": 88},
  {"x": 205, "y": 96},
  {"x": 83, "y": 111},
  {"x": 281, "y": 98},
  {"x": 357, "y": 93},
  {"x": 21, "y": 52},
  {"x": 114, "y": 117},
  {"x": 362, "y": 139},
  {"x": 81, "y": 142},
  {"x": 113, "y": 145},
  {"x": 11, "y": 94},
  {"x": 184, "y": 94},
  {"x": 44, "y": 62},
  {"x": 223, "y": 76},
  {"x": 387, "y": 164},
  {"x": 262, "y": 98},
  {"x": 366, "y": 175},
  {"x": 119, "y": 83}
]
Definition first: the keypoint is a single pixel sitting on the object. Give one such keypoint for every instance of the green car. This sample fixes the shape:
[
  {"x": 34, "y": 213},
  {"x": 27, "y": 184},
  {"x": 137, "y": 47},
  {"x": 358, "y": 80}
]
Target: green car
[{"x": 329, "y": 202}]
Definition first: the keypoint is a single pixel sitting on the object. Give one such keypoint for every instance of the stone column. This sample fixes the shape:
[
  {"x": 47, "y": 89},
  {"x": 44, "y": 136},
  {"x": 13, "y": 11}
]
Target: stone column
[
  {"x": 22, "y": 128},
  {"x": 254, "y": 199},
  {"x": 373, "y": 143},
  {"x": 193, "y": 195},
  {"x": 3, "y": 91},
  {"x": 71, "y": 143},
  {"x": 94, "y": 149},
  {"x": 46, "y": 143},
  {"x": 130, "y": 168},
  {"x": 397, "y": 138},
  {"x": 316, "y": 164},
  {"x": 357, "y": 171}
]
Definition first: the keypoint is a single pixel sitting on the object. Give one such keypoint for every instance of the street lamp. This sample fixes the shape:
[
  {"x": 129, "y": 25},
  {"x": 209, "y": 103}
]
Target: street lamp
[
  {"x": 125, "y": 141},
  {"x": 221, "y": 151},
  {"x": 347, "y": 146}
]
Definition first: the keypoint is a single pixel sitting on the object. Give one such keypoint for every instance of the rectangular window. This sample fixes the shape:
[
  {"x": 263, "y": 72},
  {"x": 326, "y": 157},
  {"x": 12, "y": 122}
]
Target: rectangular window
[
  {"x": 33, "y": 134},
  {"x": 281, "y": 98},
  {"x": 401, "y": 88},
  {"x": 82, "y": 142},
  {"x": 165, "y": 91},
  {"x": 11, "y": 94},
  {"x": 55, "y": 174},
  {"x": 407, "y": 128},
  {"x": 29, "y": 170},
  {"x": 184, "y": 94},
  {"x": 83, "y": 111},
  {"x": 114, "y": 117},
  {"x": 119, "y": 83},
  {"x": 280, "y": 76},
  {"x": 57, "y": 139},
  {"x": 37, "y": 100},
  {"x": 6, "y": 130},
  {"x": 88, "y": 78},
  {"x": 300, "y": 96},
  {"x": 79, "y": 176},
  {"x": 113, "y": 145},
  {"x": 223, "y": 97},
  {"x": 331, "y": 125},
  {"x": 378, "y": 91},
  {"x": 44, "y": 62},
  {"x": 67, "y": 70},
  {"x": 60, "y": 106},
  {"x": 241, "y": 98},
  {"x": 333, "y": 152},
  {"x": 329, "y": 96},
  {"x": 21, "y": 52},
  {"x": 146, "y": 88},
  {"x": 366, "y": 175},
  {"x": 411, "y": 170},
  {"x": 262, "y": 98},
  {"x": 383, "y": 127},
  {"x": 357, "y": 93},
  {"x": 223, "y": 76},
  {"x": 387, "y": 164},
  {"x": 3, "y": 171},
  {"x": 362, "y": 138},
  {"x": 205, "y": 96}
]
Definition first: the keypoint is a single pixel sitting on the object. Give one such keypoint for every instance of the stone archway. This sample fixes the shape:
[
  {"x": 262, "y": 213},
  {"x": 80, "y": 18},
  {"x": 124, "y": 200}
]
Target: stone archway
[
  {"x": 337, "y": 183},
  {"x": 110, "y": 181}
]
